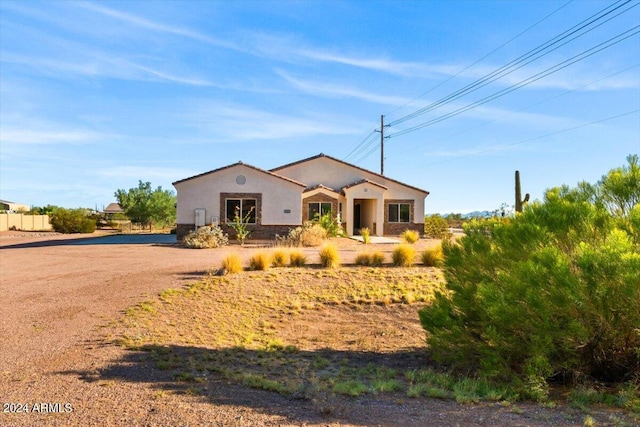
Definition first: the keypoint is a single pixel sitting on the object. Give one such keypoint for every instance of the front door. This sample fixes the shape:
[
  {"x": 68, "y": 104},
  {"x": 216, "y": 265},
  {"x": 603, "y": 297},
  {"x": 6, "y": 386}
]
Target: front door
[{"x": 356, "y": 218}]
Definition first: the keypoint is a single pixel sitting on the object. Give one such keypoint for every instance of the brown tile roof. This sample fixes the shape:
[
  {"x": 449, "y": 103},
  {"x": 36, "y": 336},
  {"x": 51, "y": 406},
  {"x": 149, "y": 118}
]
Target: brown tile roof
[
  {"x": 364, "y": 181},
  {"x": 351, "y": 165},
  {"x": 240, "y": 164}
]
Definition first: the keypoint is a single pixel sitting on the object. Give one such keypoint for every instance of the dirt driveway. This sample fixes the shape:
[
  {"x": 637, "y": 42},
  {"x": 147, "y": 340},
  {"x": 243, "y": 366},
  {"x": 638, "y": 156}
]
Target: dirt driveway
[{"x": 58, "y": 292}]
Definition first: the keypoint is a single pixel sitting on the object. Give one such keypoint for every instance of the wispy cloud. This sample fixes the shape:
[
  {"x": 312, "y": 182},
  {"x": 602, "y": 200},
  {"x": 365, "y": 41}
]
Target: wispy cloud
[
  {"x": 25, "y": 136},
  {"x": 330, "y": 90},
  {"x": 148, "y": 24},
  {"x": 151, "y": 173},
  {"x": 237, "y": 123}
]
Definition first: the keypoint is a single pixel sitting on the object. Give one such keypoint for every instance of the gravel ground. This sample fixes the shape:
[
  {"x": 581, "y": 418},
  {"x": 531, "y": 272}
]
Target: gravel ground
[{"x": 56, "y": 368}]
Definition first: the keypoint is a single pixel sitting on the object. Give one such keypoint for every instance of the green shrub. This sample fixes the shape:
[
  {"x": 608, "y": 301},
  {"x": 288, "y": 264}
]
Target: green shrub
[
  {"x": 410, "y": 236},
  {"x": 206, "y": 237},
  {"x": 279, "y": 258},
  {"x": 402, "y": 255},
  {"x": 377, "y": 259},
  {"x": 436, "y": 227},
  {"x": 329, "y": 257},
  {"x": 331, "y": 225},
  {"x": 553, "y": 290},
  {"x": 363, "y": 259},
  {"x": 366, "y": 235},
  {"x": 433, "y": 257},
  {"x": 297, "y": 259},
  {"x": 72, "y": 221},
  {"x": 232, "y": 264},
  {"x": 260, "y": 261}
]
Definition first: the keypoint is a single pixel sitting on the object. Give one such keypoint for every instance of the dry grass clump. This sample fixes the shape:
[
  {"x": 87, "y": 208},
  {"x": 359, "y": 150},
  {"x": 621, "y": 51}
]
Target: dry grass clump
[
  {"x": 310, "y": 234},
  {"x": 410, "y": 236},
  {"x": 366, "y": 235},
  {"x": 205, "y": 238},
  {"x": 232, "y": 264},
  {"x": 366, "y": 259},
  {"x": 279, "y": 259},
  {"x": 363, "y": 259},
  {"x": 433, "y": 257},
  {"x": 403, "y": 255},
  {"x": 329, "y": 257},
  {"x": 260, "y": 261},
  {"x": 377, "y": 259},
  {"x": 297, "y": 259}
]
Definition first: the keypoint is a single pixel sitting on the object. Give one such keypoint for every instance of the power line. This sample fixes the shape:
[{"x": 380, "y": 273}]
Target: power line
[
  {"x": 530, "y": 56},
  {"x": 524, "y": 141},
  {"x": 564, "y": 64},
  {"x": 482, "y": 58},
  {"x": 363, "y": 145},
  {"x": 533, "y": 105}
]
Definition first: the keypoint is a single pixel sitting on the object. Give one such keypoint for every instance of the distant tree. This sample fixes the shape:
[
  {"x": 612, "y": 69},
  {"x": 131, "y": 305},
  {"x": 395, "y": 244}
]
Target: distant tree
[
  {"x": 72, "y": 221},
  {"x": 44, "y": 210},
  {"x": 145, "y": 206}
]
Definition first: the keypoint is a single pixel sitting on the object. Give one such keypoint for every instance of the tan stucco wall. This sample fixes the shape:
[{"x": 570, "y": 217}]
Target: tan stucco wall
[
  {"x": 24, "y": 222},
  {"x": 335, "y": 175},
  {"x": 278, "y": 195}
]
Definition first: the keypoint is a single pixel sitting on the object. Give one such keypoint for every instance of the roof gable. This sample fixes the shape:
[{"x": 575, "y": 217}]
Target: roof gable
[
  {"x": 236, "y": 165},
  {"x": 322, "y": 155}
]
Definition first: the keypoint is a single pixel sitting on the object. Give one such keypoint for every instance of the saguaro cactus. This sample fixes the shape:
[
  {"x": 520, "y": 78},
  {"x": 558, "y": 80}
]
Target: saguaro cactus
[{"x": 519, "y": 200}]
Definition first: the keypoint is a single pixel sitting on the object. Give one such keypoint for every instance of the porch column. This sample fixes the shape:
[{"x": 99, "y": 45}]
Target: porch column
[{"x": 380, "y": 216}]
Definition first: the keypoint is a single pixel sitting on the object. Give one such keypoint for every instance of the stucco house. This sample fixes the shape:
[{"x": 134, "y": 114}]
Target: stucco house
[{"x": 280, "y": 199}]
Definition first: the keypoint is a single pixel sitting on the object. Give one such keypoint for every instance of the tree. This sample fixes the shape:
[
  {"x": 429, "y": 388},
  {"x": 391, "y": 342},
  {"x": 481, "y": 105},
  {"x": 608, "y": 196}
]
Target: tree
[
  {"x": 72, "y": 221},
  {"x": 553, "y": 291},
  {"x": 145, "y": 206}
]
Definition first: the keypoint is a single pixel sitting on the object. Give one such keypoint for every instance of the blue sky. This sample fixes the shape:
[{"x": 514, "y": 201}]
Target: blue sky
[{"x": 95, "y": 96}]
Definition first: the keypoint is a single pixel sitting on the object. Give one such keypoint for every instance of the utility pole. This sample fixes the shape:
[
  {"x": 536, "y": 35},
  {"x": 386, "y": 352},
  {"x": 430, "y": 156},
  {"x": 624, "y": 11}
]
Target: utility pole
[{"x": 381, "y": 145}]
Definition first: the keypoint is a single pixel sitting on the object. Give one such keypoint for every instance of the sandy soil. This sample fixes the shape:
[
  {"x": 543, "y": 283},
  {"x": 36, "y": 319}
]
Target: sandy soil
[{"x": 56, "y": 368}]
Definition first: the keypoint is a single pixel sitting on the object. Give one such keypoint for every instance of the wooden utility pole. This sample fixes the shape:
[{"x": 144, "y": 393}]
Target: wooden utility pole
[{"x": 381, "y": 145}]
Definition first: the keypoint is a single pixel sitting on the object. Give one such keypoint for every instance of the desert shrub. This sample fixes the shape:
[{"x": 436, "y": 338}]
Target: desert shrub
[
  {"x": 260, "y": 261},
  {"x": 72, "y": 221},
  {"x": 297, "y": 259},
  {"x": 310, "y": 234},
  {"x": 436, "y": 227},
  {"x": 551, "y": 291},
  {"x": 232, "y": 264},
  {"x": 331, "y": 225},
  {"x": 329, "y": 257},
  {"x": 377, "y": 259},
  {"x": 410, "y": 236},
  {"x": 363, "y": 259},
  {"x": 366, "y": 235},
  {"x": 279, "y": 258},
  {"x": 206, "y": 237},
  {"x": 433, "y": 257},
  {"x": 402, "y": 255}
]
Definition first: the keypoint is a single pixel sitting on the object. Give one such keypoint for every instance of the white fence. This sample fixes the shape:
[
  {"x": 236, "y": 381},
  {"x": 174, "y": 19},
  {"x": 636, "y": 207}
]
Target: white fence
[{"x": 24, "y": 222}]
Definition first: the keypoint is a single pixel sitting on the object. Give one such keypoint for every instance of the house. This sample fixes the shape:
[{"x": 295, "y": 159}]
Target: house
[
  {"x": 280, "y": 199},
  {"x": 8, "y": 206},
  {"x": 113, "y": 209}
]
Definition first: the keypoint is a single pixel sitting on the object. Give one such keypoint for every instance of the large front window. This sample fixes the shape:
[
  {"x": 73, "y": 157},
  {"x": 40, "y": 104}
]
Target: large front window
[
  {"x": 399, "y": 212},
  {"x": 243, "y": 208},
  {"x": 318, "y": 209}
]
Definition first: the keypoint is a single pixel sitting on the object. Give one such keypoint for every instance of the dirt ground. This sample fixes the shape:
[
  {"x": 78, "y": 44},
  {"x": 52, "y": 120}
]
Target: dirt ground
[{"x": 58, "y": 293}]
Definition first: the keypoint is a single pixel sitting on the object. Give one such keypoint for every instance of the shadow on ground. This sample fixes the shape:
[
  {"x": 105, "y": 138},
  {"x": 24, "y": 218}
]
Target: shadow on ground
[
  {"x": 239, "y": 377},
  {"x": 116, "y": 239}
]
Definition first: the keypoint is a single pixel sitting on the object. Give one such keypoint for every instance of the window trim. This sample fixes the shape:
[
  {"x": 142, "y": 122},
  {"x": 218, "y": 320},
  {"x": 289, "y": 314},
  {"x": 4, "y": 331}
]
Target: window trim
[
  {"x": 398, "y": 210},
  {"x": 319, "y": 203},
  {"x": 241, "y": 199}
]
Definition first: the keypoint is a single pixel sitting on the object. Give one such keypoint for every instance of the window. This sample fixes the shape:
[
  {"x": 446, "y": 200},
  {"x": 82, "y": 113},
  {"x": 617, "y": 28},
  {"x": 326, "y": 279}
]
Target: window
[
  {"x": 245, "y": 208},
  {"x": 399, "y": 212},
  {"x": 317, "y": 209}
]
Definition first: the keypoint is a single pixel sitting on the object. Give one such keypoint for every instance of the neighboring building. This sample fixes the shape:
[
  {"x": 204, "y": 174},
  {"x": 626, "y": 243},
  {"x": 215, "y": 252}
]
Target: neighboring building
[
  {"x": 13, "y": 207},
  {"x": 113, "y": 208},
  {"x": 283, "y": 198}
]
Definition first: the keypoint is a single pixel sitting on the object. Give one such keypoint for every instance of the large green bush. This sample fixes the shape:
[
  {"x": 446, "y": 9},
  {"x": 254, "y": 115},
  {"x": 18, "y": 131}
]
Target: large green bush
[
  {"x": 554, "y": 291},
  {"x": 72, "y": 221}
]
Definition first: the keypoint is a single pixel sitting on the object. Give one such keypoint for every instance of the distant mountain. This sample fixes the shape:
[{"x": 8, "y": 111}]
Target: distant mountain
[{"x": 478, "y": 214}]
